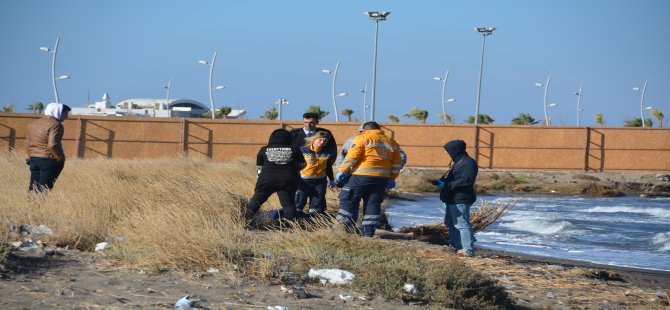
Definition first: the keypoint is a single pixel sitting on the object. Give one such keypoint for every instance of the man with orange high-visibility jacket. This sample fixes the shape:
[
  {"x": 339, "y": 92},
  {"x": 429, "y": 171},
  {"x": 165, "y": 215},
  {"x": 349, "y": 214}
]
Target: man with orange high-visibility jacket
[{"x": 372, "y": 164}]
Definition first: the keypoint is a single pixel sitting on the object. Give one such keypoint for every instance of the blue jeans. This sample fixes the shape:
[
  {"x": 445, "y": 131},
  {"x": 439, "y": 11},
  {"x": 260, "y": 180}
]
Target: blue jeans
[
  {"x": 371, "y": 190},
  {"x": 457, "y": 219},
  {"x": 315, "y": 190},
  {"x": 43, "y": 173}
]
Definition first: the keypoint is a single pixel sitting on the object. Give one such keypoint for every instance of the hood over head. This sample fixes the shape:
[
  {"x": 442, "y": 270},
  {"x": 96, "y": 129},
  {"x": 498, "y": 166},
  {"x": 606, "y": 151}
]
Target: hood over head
[
  {"x": 280, "y": 136},
  {"x": 456, "y": 149},
  {"x": 54, "y": 110}
]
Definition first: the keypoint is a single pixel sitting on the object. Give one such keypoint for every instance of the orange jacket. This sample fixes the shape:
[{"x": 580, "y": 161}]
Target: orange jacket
[{"x": 373, "y": 154}]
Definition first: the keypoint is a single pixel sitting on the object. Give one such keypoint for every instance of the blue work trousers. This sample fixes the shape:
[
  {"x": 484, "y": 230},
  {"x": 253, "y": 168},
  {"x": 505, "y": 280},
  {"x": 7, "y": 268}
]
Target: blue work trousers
[
  {"x": 315, "y": 191},
  {"x": 371, "y": 190}
]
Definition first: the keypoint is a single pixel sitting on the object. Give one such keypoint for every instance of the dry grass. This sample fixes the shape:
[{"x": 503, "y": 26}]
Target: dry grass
[{"x": 185, "y": 214}]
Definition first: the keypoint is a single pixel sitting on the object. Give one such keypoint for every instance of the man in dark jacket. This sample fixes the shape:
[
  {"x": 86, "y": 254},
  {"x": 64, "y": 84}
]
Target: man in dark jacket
[
  {"x": 45, "y": 150},
  {"x": 458, "y": 194},
  {"x": 279, "y": 168},
  {"x": 309, "y": 121}
]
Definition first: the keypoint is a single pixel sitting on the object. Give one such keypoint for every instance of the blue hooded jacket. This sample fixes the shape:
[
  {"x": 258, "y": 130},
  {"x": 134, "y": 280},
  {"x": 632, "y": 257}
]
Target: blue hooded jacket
[{"x": 460, "y": 182}]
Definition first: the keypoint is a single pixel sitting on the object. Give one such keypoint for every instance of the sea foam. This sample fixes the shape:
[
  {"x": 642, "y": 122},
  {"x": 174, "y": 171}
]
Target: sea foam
[
  {"x": 657, "y": 212},
  {"x": 662, "y": 240},
  {"x": 537, "y": 226}
]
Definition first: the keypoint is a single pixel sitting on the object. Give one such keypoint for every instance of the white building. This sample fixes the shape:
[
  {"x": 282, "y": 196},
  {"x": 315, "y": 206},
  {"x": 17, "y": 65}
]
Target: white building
[{"x": 150, "y": 108}]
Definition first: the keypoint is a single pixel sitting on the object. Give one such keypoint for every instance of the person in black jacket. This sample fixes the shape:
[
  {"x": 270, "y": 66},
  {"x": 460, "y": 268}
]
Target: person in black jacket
[
  {"x": 309, "y": 121},
  {"x": 279, "y": 165},
  {"x": 458, "y": 194}
]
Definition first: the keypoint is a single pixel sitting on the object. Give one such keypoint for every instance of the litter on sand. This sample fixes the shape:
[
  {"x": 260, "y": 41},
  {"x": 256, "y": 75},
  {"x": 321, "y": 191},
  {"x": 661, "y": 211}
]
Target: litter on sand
[{"x": 333, "y": 276}]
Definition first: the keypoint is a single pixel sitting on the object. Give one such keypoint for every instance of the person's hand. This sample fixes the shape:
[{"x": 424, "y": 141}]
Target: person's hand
[
  {"x": 341, "y": 177},
  {"x": 331, "y": 184},
  {"x": 390, "y": 184},
  {"x": 441, "y": 184}
]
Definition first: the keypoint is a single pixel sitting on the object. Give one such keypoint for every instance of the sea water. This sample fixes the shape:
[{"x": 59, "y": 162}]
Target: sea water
[{"x": 623, "y": 231}]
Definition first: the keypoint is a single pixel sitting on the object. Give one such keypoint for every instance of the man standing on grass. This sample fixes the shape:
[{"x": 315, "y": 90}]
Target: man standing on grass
[
  {"x": 309, "y": 122},
  {"x": 43, "y": 138},
  {"x": 372, "y": 164}
]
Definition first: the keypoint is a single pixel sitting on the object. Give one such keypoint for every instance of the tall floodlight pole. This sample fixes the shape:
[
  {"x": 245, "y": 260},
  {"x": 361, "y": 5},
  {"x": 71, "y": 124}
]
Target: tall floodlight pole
[
  {"x": 211, "y": 89},
  {"x": 365, "y": 106},
  {"x": 376, "y": 16},
  {"x": 484, "y": 32},
  {"x": 281, "y": 102},
  {"x": 444, "y": 87},
  {"x": 167, "y": 96},
  {"x": 54, "y": 52},
  {"x": 644, "y": 89},
  {"x": 579, "y": 107},
  {"x": 334, "y": 73}
]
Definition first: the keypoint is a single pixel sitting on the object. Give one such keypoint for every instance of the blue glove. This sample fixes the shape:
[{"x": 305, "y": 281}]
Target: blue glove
[
  {"x": 441, "y": 184},
  {"x": 341, "y": 177},
  {"x": 331, "y": 184},
  {"x": 390, "y": 184}
]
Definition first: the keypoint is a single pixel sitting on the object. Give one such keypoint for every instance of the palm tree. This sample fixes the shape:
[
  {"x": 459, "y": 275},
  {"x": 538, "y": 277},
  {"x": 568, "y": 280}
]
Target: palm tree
[
  {"x": 637, "y": 122},
  {"x": 600, "y": 120},
  {"x": 36, "y": 107},
  {"x": 317, "y": 109},
  {"x": 658, "y": 115},
  {"x": 393, "y": 118},
  {"x": 447, "y": 118},
  {"x": 483, "y": 119},
  {"x": 8, "y": 108},
  {"x": 223, "y": 112},
  {"x": 419, "y": 115},
  {"x": 524, "y": 119},
  {"x": 347, "y": 113},
  {"x": 271, "y": 114}
]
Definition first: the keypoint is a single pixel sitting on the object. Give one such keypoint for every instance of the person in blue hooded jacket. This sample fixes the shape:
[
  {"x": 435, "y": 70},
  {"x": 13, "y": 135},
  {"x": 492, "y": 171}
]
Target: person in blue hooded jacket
[{"x": 457, "y": 192}]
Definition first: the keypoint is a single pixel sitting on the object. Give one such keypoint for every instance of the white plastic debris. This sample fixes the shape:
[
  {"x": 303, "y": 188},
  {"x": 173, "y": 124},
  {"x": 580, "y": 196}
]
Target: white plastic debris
[
  {"x": 102, "y": 246},
  {"x": 212, "y": 270},
  {"x": 346, "y": 297},
  {"x": 277, "y": 308},
  {"x": 410, "y": 289},
  {"x": 333, "y": 276},
  {"x": 184, "y": 303}
]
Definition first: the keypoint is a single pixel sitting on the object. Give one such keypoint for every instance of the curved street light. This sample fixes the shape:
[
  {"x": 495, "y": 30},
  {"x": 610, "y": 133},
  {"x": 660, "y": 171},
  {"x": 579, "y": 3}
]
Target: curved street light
[
  {"x": 644, "y": 89},
  {"x": 211, "y": 74},
  {"x": 377, "y": 17},
  {"x": 444, "y": 86},
  {"x": 167, "y": 96},
  {"x": 579, "y": 107},
  {"x": 546, "y": 89},
  {"x": 334, "y": 73},
  {"x": 485, "y": 32},
  {"x": 54, "y": 51}
]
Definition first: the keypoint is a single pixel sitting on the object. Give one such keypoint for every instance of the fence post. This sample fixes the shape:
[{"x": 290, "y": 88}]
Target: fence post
[
  {"x": 80, "y": 132},
  {"x": 586, "y": 148},
  {"x": 184, "y": 137}
]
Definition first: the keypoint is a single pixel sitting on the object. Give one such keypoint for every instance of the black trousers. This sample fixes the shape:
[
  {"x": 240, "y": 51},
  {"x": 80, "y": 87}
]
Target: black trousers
[
  {"x": 44, "y": 172},
  {"x": 286, "y": 198}
]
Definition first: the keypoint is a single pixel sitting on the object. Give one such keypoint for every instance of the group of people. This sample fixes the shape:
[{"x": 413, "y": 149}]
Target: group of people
[{"x": 297, "y": 165}]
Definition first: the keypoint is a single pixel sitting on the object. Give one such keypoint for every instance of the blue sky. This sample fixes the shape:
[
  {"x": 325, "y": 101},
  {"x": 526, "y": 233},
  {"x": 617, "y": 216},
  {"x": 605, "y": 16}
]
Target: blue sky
[{"x": 276, "y": 49}]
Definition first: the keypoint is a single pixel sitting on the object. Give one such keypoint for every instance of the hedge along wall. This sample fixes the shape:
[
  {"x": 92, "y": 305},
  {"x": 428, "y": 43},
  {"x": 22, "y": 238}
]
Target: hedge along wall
[{"x": 494, "y": 147}]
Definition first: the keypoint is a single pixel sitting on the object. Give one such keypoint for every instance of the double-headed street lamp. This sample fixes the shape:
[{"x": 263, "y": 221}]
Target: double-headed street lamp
[
  {"x": 281, "y": 102},
  {"x": 485, "y": 32},
  {"x": 167, "y": 96},
  {"x": 444, "y": 87},
  {"x": 644, "y": 89},
  {"x": 579, "y": 107},
  {"x": 546, "y": 90},
  {"x": 377, "y": 17},
  {"x": 211, "y": 74},
  {"x": 334, "y": 73},
  {"x": 53, "y": 68}
]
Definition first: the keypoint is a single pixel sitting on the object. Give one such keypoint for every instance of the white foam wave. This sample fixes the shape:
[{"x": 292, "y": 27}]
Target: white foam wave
[
  {"x": 663, "y": 240},
  {"x": 537, "y": 227},
  {"x": 658, "y": 212}
]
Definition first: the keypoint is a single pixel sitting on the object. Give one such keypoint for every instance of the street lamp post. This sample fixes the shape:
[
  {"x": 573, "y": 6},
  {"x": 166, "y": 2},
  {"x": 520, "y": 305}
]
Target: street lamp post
[
  {"x": 281, "y": 102},
  {"x": 337, "y": 66},
  {"x": 485, "y": 32},
  {"x": 444, "y": 87},
  {"x": 376, "y": 16},
  {"x": 167, "y": 96},
  {"x": 579, "y": 107},
  {"x": 365, "y": 107},
  {"x": 54, "y": 51},
  {"x": 546, "y": 90},
  {"x": 644, "y": 89},
  {"x": 211, "y": 74}
]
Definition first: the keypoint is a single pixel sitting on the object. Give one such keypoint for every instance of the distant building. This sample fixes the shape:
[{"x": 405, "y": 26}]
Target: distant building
[{"x": 150, "y": 108}]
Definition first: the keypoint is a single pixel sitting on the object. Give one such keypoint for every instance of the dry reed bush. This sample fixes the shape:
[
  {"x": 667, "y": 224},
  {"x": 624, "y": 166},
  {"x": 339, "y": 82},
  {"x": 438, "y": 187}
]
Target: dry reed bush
[{"x": 382, "y": 270}]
